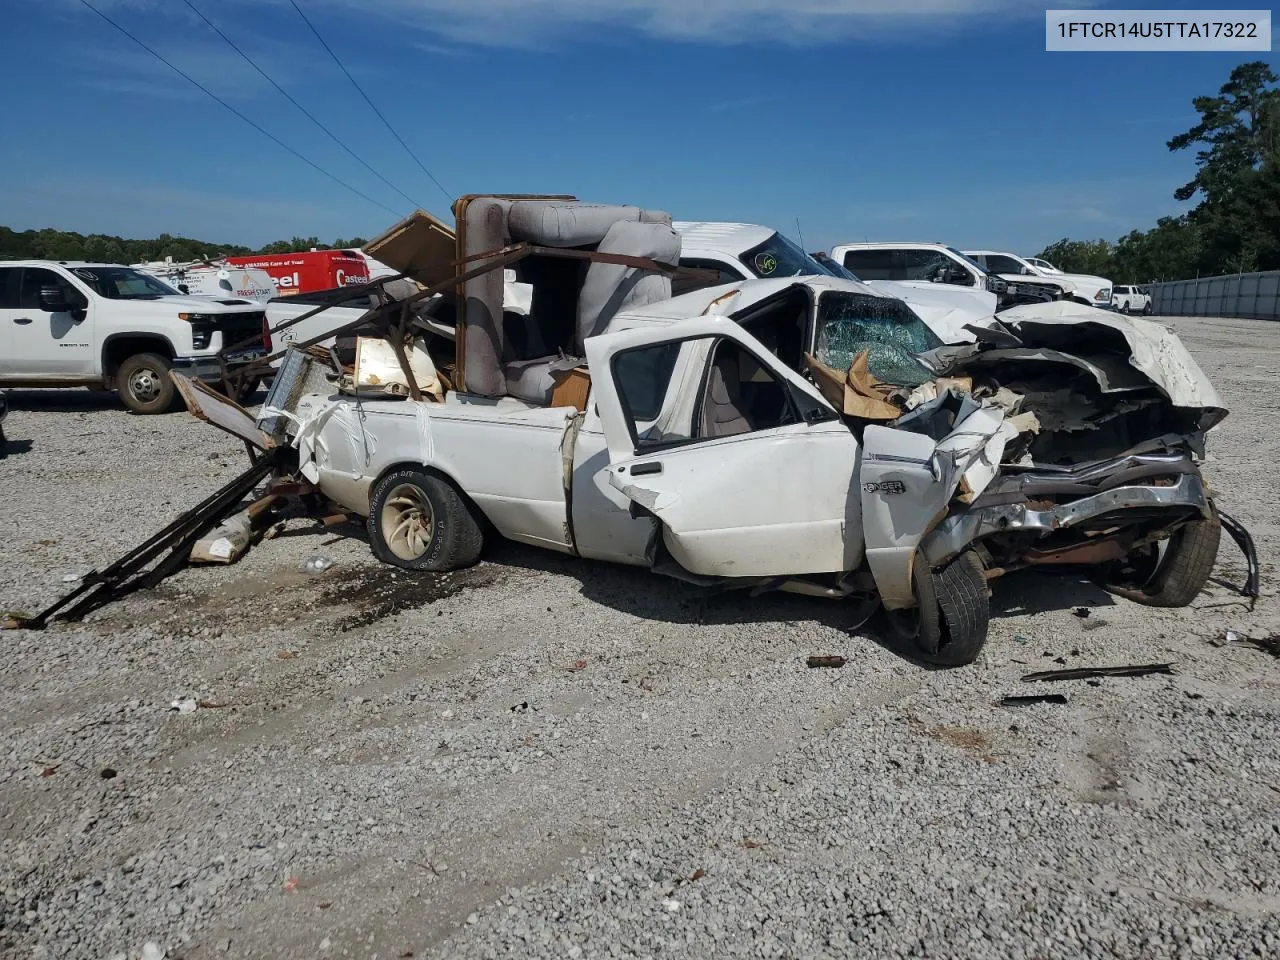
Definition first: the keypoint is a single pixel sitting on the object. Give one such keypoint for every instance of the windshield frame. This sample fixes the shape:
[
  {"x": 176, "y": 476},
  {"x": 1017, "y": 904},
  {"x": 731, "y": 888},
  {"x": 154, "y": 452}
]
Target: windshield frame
[{"x": 100, "y": 280}]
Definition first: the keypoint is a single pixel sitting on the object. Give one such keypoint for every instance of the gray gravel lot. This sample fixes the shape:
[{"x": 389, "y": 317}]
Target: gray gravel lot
[{"x": 392, "y": 766}]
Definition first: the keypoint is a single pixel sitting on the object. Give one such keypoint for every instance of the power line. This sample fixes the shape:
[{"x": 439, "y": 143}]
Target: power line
[
  {"x": 372, "y": 107},
  {"x": 270, "y": 136},
  {"x": 332, "y": 136}
]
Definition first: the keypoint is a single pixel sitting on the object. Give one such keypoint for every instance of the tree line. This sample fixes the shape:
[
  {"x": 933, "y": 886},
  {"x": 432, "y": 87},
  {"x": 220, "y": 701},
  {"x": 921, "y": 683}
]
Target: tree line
[
  {"x": 1235, "y": 225},
  {"x": 50, "y": 244}
]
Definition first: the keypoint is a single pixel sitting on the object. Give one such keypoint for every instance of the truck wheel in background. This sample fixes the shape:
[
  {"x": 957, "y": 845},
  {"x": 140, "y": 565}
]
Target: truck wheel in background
[
  {"x": 948, "y": 624},
  {"x": 1174, "y": 576},
  {"x": 144, "y": 385},
  {"x": 420, "y": 522}
]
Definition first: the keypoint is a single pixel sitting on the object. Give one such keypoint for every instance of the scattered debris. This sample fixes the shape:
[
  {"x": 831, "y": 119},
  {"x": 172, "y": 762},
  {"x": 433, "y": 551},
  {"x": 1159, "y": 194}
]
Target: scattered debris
[
  {"x": 698, "y": 875},
  {"x": 750, "y": 844},
  {"x": 1268, "y": 644},
  {"x": 291, "y": 885},
  {"x": 578, "y": 665},
  {"x": 1082, "y": 612},
  {"x": 73, "y": 578},
  {"x": 49, "y": 771},
  {"x": 209, "y": 705},
  {"x": 1019, "y": 638},
  {"x": 286, "y": 654},
  {"x": 1086, "y": 673},
  {"x": 673, "y": 906},
  {"x": 130, "y": 572},
  {"x": 825, "y": 661},
  {"x": 185, "y": 705},
  {"x": 229, "y": 541},
  {"x": 522, "y": 707},
  {"x": 152, "y": 951},
  {"x": 108, "y": 773},
  {"x": 1026, "y": 701},
  {"x": 323, "y": 906},
  {"x": 316, "y": 564}
]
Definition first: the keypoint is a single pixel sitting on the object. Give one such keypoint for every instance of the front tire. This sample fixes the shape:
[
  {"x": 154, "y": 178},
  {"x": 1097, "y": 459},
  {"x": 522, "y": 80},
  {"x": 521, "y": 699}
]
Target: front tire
[
  {"x": 419, "y": 521},
  {"x": 144, "y": 385},
  {"x": 1175, "y": 578},
  {"x": 948, "y": 625}
]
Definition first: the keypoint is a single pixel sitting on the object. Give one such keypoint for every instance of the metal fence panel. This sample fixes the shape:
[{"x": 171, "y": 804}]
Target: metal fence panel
[{"x": 1253, "y": 295}]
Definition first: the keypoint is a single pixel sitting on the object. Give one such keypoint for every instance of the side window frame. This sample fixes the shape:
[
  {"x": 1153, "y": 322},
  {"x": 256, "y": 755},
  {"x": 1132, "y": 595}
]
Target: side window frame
[
  {"x": 10, "y": 288},
  {"x": 665, "y": 445}
]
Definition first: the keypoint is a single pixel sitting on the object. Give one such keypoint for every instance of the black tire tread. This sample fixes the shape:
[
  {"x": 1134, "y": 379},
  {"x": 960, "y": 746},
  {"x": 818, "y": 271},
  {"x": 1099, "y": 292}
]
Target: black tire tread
[
  {"x": 457, "y": 538},
  {"x": 961, "y": 589},
  {"x": 1187, "y": 565}
]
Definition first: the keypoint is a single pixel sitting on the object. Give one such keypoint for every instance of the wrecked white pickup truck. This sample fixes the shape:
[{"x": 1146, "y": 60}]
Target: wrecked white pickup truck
[{"x": 797, "y": 434}]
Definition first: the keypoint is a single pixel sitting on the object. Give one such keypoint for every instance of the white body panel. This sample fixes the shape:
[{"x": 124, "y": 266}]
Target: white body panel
[
  {"x": 64, "y": 347},
  {"x": 754, "y": 525}
]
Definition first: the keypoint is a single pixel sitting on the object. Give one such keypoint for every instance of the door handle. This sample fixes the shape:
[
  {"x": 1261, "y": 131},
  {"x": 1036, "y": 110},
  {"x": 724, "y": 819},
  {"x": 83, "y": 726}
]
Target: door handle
[
  {"x": 22, "y": 321},
  {"x": 646, "y": 469}
]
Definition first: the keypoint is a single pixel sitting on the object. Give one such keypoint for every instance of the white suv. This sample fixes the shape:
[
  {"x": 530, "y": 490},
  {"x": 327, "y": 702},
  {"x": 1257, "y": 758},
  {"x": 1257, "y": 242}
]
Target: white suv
[{"x": 73, "y": 324}]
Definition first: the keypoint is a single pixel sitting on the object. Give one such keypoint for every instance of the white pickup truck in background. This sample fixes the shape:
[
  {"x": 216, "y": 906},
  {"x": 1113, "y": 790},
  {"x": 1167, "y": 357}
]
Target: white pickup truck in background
[
  {"x": 747, "y": 251},
  {"x": 72, "y": 324},
  {"x": 1129, "y": 299},
  {"x": 1081, "y": 287}
]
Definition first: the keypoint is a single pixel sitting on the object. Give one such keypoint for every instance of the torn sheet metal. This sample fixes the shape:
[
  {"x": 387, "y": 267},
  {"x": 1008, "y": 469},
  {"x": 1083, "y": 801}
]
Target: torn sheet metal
[
  {"x": 378, "y": 369},
  {"x": 1154, "y": 349}
]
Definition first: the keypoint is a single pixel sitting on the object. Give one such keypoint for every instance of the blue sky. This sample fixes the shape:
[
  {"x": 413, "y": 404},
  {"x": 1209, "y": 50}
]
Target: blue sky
[{"x": 865, "y": 119}]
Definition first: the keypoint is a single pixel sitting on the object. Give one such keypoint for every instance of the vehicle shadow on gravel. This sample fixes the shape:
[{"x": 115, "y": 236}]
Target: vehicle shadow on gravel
[
  {"x": 641, "y": 593},
  {"x": 63, "y": 401},
  {"x": 1029, "y": 592}
]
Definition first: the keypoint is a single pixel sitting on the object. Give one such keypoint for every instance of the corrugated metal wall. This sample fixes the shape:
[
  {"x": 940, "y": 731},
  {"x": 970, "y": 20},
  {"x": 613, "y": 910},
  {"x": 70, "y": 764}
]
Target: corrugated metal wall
[{"x": 1254, "y": 295}]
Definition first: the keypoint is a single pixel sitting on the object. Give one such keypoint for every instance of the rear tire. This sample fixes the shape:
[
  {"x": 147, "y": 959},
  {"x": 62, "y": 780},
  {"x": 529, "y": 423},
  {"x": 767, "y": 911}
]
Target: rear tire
[
  {"x": 144, "y": 385},
  {"x": 1182, "y": 572},
  {"x": 420, "y": 522},
  {"x": 948, "y": 625}
]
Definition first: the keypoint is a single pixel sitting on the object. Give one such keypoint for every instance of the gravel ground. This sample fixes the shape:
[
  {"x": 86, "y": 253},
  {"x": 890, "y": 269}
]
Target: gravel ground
[{"x": 544, "y": 757}]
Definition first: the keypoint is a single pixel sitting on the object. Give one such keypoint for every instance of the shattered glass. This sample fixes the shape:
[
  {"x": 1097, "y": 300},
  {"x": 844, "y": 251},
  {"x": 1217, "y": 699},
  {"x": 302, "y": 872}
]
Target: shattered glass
[{"x": 889, "y": 330}]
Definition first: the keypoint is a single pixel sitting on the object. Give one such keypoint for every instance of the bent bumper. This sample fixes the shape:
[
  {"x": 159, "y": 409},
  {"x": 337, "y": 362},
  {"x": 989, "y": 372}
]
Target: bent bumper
[{"x": 957, "y": 531}]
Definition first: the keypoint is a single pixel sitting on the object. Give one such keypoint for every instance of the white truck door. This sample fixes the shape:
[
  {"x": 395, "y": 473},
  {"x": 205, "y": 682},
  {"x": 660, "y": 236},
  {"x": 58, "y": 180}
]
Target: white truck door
[
  {"x": 51, "y": 344},
  {"x": 10, "y": 280},
  {"x": 750, "y": 471}
]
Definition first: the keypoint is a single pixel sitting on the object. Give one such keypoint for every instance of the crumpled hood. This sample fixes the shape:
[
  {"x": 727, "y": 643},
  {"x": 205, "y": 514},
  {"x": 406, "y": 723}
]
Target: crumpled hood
[{"x": 1155, "y": 350}]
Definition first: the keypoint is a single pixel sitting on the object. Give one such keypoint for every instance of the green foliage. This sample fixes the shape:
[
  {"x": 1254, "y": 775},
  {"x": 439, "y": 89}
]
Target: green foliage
[
  {"x": 49, "y": 244},
  {"x": 1235, "y": 227}
]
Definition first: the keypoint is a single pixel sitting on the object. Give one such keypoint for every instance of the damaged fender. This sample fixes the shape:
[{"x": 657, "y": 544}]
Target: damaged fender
[{"x": 908, "y": 481}]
